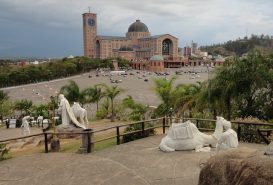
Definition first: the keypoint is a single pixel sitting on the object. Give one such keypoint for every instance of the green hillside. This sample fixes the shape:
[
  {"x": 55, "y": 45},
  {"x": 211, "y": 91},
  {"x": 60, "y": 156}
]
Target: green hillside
[{"x": 239, "y": 47}]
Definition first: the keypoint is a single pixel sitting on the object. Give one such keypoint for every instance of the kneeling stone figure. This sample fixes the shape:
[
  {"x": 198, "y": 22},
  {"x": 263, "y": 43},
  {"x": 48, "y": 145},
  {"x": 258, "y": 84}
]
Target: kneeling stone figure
[{"x": 228, "y": 139}]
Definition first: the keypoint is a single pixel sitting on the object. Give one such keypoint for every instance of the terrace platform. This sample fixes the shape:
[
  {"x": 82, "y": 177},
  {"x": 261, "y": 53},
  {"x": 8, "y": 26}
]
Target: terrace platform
[{"x": 139, "y": 162}]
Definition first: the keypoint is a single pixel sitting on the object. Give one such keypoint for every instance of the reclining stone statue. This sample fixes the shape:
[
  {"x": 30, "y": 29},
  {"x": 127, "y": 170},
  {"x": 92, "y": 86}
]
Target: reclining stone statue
[
  {"x": 186, "y": 136},
  {"x": 67, "y": 114},
  {"x": 80, "y": 113}
]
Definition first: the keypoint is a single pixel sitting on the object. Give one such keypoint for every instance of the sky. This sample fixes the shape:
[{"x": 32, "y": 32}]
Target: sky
[{"x": 53, "y": 28}]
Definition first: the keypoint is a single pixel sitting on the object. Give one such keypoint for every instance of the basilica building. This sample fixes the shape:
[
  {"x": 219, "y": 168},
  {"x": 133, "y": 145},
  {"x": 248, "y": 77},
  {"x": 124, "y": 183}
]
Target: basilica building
[
  {"x": 143, "y": 50},
  {"x": 137, "y": 44}
]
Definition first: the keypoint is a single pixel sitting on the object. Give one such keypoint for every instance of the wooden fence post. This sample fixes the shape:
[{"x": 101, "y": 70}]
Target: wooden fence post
[
  {"x": 92, "y": 145},
  {"x": 118, "y": 136},
  {"x": 239, "y": 132},
  {"x": 142, "y": 128},
  {"x": 164, "y": 125},
  {"x": 46, "y": 142},
  {"x": 197, "y": 123}
]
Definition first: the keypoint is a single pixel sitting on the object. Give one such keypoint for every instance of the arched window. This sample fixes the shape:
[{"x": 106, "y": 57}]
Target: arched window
[{"x": 166, "y": 47}]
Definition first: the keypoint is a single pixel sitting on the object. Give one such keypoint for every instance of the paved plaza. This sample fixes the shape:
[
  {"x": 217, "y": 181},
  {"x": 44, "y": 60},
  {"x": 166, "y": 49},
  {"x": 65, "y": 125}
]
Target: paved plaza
[
  {"x": 133, "y": 85},
  {"x": 139, "y": 162}
]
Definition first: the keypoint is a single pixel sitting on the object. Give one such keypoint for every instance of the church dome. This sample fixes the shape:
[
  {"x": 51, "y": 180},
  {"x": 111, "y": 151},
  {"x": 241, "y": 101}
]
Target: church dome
[
  {"x": 138, "y": 27},
  {"x": 157, "y": 58}
]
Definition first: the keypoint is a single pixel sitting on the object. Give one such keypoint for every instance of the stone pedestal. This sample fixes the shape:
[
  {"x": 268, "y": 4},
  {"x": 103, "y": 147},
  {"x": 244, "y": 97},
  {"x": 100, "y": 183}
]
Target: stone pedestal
[
  {"x": 68, "y": 129},
  {"x": 87, "y": 138}
]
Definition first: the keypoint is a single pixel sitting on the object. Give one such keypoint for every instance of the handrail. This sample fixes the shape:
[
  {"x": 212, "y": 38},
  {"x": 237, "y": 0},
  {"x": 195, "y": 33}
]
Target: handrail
[
  {"x": 6, "y": 140},
  {"x": 128, "y": 124},
  {"x": 163, "y": 125},
  {"x": 235, "y": 122},
  {"x": 251, "y": 123}
]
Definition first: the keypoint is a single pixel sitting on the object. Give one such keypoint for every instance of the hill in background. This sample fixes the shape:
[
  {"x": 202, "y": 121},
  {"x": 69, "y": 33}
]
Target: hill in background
[{"x": 239, "y": 47}]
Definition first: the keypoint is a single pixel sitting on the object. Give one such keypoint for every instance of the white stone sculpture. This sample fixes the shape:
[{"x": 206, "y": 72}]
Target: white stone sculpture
[
  {"x": 25, "y": 126},
  {"x": 67, "y": 113},
  {"x": 186, "y": 136},
  {"x": 269, "y": 149},
  {"x": 40, "y": 120},
  {"x": 228, "y": 139},
  {"x": 80, "y": 113}
]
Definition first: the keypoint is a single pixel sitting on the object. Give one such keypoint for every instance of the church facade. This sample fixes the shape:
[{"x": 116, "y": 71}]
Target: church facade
[{"x": 137, "y": 44}]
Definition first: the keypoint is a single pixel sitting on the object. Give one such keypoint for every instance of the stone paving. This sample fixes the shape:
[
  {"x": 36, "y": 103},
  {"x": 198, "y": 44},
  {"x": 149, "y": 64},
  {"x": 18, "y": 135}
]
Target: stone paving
[
  {"x": 133, "y": 85},
  {"x": 139, "y": 162}
]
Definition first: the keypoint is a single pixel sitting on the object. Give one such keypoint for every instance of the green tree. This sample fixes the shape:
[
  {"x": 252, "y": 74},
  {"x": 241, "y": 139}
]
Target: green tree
[
  {"x": 5, "y": 105},
  {"x": 72, "y": 92},
  {"x": 41, "y": 110},
  {"x": 164, "y": 89},
  {"x": 111, "y": 93},
  {"x": 137, "y": 110},
  {"x": 242, "y": 88},
  {"x": 24, "y": 106},
  {"x": 3, "y": 96},
  {"x": 93, "y": 95},
  {"x": 184, "y": 97}
]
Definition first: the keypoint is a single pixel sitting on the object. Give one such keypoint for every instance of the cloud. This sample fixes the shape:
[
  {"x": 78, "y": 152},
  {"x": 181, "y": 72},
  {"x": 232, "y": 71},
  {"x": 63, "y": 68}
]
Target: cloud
[{"x": 207, "y": 22}]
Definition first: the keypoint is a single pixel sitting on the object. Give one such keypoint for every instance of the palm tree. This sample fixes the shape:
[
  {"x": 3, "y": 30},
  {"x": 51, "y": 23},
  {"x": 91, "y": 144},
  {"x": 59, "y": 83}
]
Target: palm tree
[
  {"x": 111, "y": 93},
  {"x": 72, "y": 92},
  {"x": 137, "y": 110},
  {"x": 93, "y": 95},
  {"x": 184, "y": 97},
  {"x": 164, "y": 89},
  {"x": 23, "y": 105}
]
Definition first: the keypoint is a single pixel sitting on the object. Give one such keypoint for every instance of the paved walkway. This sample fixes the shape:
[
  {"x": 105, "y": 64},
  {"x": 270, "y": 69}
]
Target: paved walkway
[{"x": 139, "y": 162}]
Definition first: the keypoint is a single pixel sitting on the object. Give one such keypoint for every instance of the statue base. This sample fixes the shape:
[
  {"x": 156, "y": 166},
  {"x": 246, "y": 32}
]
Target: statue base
[{"x": 69, "y": 129}]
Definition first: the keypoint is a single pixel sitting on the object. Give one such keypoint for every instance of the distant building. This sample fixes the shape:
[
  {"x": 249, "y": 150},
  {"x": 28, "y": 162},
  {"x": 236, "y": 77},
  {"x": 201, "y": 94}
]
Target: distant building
[
  {"x": 70, "y": 57},
  {"x": 35, "y": 62},
  {"x": 187, "y": 51},
  {"x": 143, "y": 50},
  {"x": 194, "y": 48},
  {"x": 137, "y": 44}
]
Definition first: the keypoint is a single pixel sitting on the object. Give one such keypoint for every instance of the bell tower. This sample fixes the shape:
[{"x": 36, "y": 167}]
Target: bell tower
[{"x": 89, "y": 34}]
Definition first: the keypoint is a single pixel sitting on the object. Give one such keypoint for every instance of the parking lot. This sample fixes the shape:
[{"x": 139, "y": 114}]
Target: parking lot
[{"x": 138, "y": 84}]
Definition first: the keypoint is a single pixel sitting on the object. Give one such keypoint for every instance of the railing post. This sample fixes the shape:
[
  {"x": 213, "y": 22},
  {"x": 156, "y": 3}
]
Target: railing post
[
  {"x": 92, "y": 145},
  {"x": 197, "y": 123},
  {"x": 86, "y": 142},
  {"x": 239, "y": 132},
  {"x": 164, "y": 125},
  {"x": 142, "y": 128},
  {"x": 88, "y": 137},
  {"x": 46, "y": 142},
  {"x": 118, "y": 137}
]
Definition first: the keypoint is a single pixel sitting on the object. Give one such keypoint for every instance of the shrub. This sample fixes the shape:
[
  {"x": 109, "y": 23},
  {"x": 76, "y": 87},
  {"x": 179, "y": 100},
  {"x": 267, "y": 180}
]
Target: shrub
[
  {"x": 4, "y": 152},
  {"x": 137, "y": 135}
]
